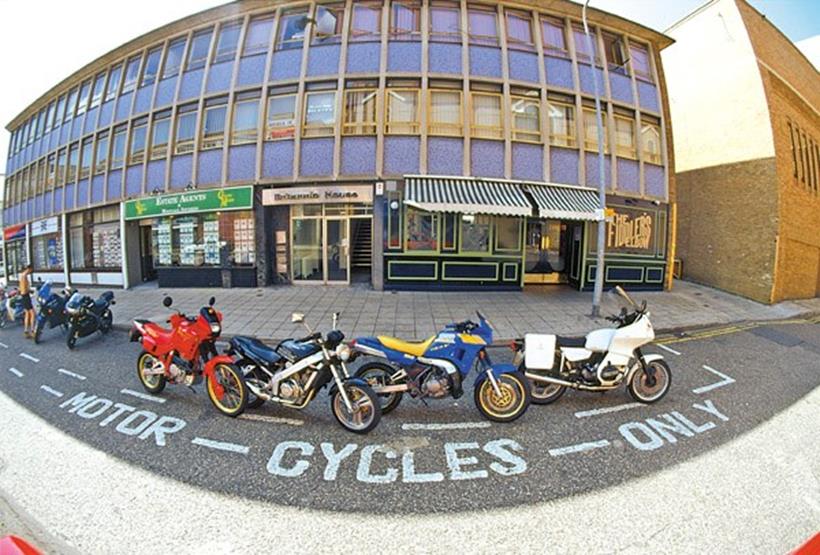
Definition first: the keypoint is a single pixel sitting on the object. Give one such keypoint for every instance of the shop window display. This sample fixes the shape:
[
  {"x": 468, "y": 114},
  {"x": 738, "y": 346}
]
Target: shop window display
[{"x": 213, "y": 239}]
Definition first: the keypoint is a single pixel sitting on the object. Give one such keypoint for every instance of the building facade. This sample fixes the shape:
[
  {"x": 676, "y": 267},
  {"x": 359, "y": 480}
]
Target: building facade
[
  {"x": 747, "y": 152},
  {"x": 409, "y": 144}
]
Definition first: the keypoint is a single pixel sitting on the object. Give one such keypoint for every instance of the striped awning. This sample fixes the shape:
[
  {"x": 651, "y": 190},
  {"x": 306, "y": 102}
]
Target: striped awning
[
  {"x": 561, "y": 202},
  {"x": 466, "y": 195}
]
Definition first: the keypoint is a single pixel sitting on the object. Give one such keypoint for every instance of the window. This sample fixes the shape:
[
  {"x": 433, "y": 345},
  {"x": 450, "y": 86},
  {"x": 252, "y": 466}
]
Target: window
[
  {"x": 483, "y": 27},
  {"x": 281, "y": 120},
  {"x": 366, "y": 21},
  {"x": 94, "y": 240},
  {"x": 61, "y": 167},
  {"x": 73, "y": 159},
  {"x": 526, "y": 119},
  {"x": 72, "y": 103},
  {"x": 85, "y": 158},
  {"x": 97, "y": 92},
  {"x": 651, "y": 142},
  {"x": 639, "y": 56},
  {"x": 581, "y": 46},
  {"x": 562, "y": 124},
  {"x": 132, "y": 70},
  {"x": 329, "y": 23},
  {"x": 82, "y": 102},
  {"x": 101, "y": 158},
  {"x": 136, "y": 154},
  {"x": 159, "y": 136},
  {"x": 359, "y": 112},
  {"x": 519, "y": 30},
  {"x": 227, "y": 43},
  {"x": 508, "y": 234},
  {"x": 47, "y": 252},
  {"x": 149, "y": 73},
  {"x": 173, "y": 58},
  {"x": 41, "y": 117},
  {"x": 257, "y": 37},
  {"x": 445, "y": 21},
  {"x": 186, "y": 129},
  {"x": 554, "y": 37},
  {"x": 113, "y": 83},
  {"x": 475, "y": 233},
  {"x": 41, "y": 176},
  {"x": 625, "y": 137},
  {"x": 51, "y": 172},
  {"x": 245, "y": 126},
  {"x": 211, "y": 239},
  {"x": 615, "y": 53},
  {"x": 320, "y": 114},
  {"x": 487, "y": 121},
  {"x": 213, "y": 127},
  {"x": 401, "y": 112},
  {"x": 118, "y": 148},
  {"x": 591, "y": 130},
  {"x": 405, "y": 20},
  {"x": 49, "y": 117},
  {"x": 445, "y": 113},
  {"x": 198, "y": 54},
  {"x": 421, "y": 231},
  {"x": 291, "y": 30}
]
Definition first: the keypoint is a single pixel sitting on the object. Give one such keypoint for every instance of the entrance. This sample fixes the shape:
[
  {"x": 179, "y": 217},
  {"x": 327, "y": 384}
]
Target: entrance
[
  {"x": 16, "y": 258},
  {"x": 147, "y": 252},
  {"x": 553, "y": 251}
]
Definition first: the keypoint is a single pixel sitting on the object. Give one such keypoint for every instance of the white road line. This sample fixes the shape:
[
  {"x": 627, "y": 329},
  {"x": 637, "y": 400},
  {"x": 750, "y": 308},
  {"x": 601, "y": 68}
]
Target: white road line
[
  {"x": 29, "y": 357},
  {"x": 667, "y": 349},
  {"x": 70, "y": 374},
  {"x": 272, "y": 419},
  {"x": 580, "y": 447},
  {"x": 606, "y": 410},
  {"x": 16, "y": 372},
  {"x": 139, "y": 395},
  {"x": 4, "y": 345},
  {"x": 51, "y": 391},
  {"x": 211, "y": 444},
  {"x": 453, "y": 426},
  {"x": 725, "y": 380}
]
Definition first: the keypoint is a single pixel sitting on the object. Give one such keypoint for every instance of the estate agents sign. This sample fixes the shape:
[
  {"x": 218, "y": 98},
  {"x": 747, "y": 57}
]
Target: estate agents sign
[{"x": 235, "y": 198}]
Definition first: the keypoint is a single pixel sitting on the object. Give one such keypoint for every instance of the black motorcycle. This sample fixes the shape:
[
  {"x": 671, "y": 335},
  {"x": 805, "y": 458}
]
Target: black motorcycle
[
  {"x": 52, "y": 310},
  {"x": 85, "y": 316}
]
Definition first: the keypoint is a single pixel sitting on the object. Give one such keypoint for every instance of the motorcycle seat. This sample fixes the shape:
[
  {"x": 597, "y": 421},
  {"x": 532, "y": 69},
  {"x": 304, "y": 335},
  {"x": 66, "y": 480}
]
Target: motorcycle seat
[
  {"x": 414, "y": 349},
  {"x": 574, "y": 342},
  {"x": 257, "y": 349},
  {"x": 156, "y": 332}
]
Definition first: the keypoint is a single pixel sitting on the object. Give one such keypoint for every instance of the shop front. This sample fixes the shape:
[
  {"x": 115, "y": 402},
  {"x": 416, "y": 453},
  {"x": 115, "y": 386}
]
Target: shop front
[
  {"x": 47, "y": 250},
  {"x": 95, "y": 247},
  {"x": 14, "y": 240}
]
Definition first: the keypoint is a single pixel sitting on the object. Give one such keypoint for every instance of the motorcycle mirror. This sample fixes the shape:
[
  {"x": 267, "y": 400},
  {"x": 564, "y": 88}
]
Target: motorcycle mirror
[
  {"x": 211, "y": 301},
  {"x": 167, "y": 302},
  {"x": 297, "y": 318},
  {"x": 336, "y": 319}
]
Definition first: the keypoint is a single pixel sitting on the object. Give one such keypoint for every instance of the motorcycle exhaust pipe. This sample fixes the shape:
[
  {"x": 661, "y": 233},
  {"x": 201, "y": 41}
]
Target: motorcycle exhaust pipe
[
  {"x": 258, "y": 392},
  {"x": 565, "y": 383}
]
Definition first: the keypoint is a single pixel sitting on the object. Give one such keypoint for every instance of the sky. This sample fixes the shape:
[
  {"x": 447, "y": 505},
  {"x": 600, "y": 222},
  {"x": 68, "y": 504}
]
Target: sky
[{"x": 44, "y": 41}]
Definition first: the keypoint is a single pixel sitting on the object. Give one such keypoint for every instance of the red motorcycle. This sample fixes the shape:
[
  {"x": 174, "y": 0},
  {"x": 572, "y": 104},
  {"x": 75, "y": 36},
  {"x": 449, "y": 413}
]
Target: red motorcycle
[{"x": 186, "y": 353}]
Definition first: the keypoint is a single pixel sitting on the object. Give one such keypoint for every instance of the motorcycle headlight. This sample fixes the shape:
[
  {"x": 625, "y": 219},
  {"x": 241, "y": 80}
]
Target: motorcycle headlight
[
  {"x": 216, "y": 328},
  {"x": 71, "y": 310},
  {"x": 343, "y": 352}
]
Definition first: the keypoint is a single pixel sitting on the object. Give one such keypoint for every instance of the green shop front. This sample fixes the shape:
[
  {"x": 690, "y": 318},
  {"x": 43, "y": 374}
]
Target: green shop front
[{"x": 196, "y": 238}]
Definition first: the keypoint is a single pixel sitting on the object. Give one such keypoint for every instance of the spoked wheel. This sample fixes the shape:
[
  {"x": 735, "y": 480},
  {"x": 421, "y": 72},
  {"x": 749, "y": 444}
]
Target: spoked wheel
[
  {"x": 366, "y": 408},
  {"x": 378, "y": 375},
  {"x": 512, "y": 402},
  {"x": 650, "y": 387},
  {"x": 71, "y": 338},
  {"x": 106, "y": 321},
  {"x": 545, "y": 393},
  {"x": 147, "y": 367},
  {"x": 38, "y": 332},
  {"x": 251, "y": 372},
  {"x": 227, "y": 390},
  {"x": 3, "y": 320}
]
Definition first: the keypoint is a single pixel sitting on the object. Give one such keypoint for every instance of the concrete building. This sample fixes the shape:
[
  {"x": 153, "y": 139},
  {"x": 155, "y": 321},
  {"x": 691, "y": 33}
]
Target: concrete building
[
  {"x": 745, "y": 106},
  {"x": 409, "y": 144}
]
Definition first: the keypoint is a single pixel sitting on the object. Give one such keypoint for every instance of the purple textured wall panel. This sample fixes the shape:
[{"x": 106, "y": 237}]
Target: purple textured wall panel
[
  {"x": 106, "y": 111},
  {"x": 57, "y": 205},
  {"x": 654, "y": 180},
  {"x": 165, "y": 92},
  {"x": 97, "y": 189},
  {"x": 219, "y": 77},
  {"x": 209, "y": 167},
  {"x": 401, "y": 155},
  {"x": 155, "y": 175},
  {"x": 649, "y": 96},
  {"x": 527, "y": 161},
  {"x": 621, "y": 87},
  {"x": 445, "y": 156},
  {"x": 145, "y": 96},
  {"x": 523, "y": 66},
  {"x": 286, "y": 64},
  {"x": 68, "y": 196},
  {"x": 585, "y": 77},
  {"x": 323, "y": 59},
  {"x": 591, "y": 163},
  {"x": 564, "y": 164},
  {"x": 82, "y": 193},
  {"x": 242, "y": 163},
  {"x": 404, "y": 56},
  {"x": 124, "y": 106},
  {"x": 485, "y": 61},
  {"x": 363, "y": 57},
  {"x": 191, "y": 84},
  {"x": 90, "y": 123},
  {"x": 251, "y": 70},
  {"x": 628, "y": 175},
  {"x": 358, "y": 156},
  {"x": 113, "y": 188},
  {"x": 133, "y": 181},
  {"x": 316, "y": 157},
  {"x": 181, "y": 167},
  {"x": 277, "y": 159},
  {"x": 487, "y": 158},
  {"x": 444, "y": 58}
]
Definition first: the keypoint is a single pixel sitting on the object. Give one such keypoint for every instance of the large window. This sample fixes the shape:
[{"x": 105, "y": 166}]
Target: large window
[
  {"x": 651, "y": 142},
  {"x": 69, "y": 108},
  {"x": 85, "y": 158},
  {"x": 526, "y": 119},
  {"x": 118, "y": 148},
  {"x": 421, "y": 231},
  {"x": 51, "y": 174},
  {"x": 82, "y": 102},
  {"x": 487, "y": 122},
  {"x": 159, "y": 136},
  {"x": 445, "y": 21},
  {"x": 366, "y": 21},
  {"x": 97, "y": 91},
  {"x": 519, "y": 30},
  {"x": 591, "y": 130},
  {"x": 508, "y": 234},
  {"x": 320, "y": 114},
  {"x": 101, "y": 157},
  {"x": 615, "y": 53},
  {"x": 173, "y": 58},
  {"x": 359, "y": 112},
  {"x": 625, "y": 146},
  {"x": 581, "y": 47},
  {"x": 73, "y": 161},
  {"x": 329, "y": 23},
  {"x": 405, "y": 20},
  {"x": 475, "y": 233},
  {"x": 483, "y": 25},
  {"x": 281, "y": 120},
  {"x": 562, "y": 124},
  {"x": 245, "y": 125},
  {"x": 149, "y": 73},
  {"x": 61, "y": 167},
  {"x": 198, "y": 54},
  {"x": 95, "y": 240},
  {"x": 186, "y": 129},
  {"x": 291, "y": 30},
  {"x": 228, "y": 41},
  {"x": 136, "y": 153},
  {"x": 401, "y": 112},
  {"x": 113, "y": 83},
  {"x": 132, "y": 71},
  {"x": 445, "y": 113},
  {"x": 639, "y": 57},
  {"x": 47, "y": 252},
  {"x": 213, "y": 127},
  {"x": 257, "y": 37},
  {"x": 213, "y": 239},
  {"x": 554, "y": 37}
]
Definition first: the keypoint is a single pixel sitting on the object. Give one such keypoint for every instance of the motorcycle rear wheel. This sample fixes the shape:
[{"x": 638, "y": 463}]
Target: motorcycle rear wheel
[
  {"x": 153, "y": 383},
  {"x": 366, "y": 408},
  {"x": 378, "y": 374},
  {"x": 234, "y": 398},
  {"x": 543, "y": 393},
  {"x": 106, "y": 322},
  {"x": 254, "y": 402},
  {"x": 510, "y": 405},
  {"x": 643, "y": 390}
]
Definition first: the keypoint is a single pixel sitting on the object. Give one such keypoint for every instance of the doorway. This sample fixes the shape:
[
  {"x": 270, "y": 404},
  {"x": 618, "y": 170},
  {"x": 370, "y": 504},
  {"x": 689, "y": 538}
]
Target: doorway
[
  {"x": 147, "y": 269},
  {"x": 547, "y": 252}
]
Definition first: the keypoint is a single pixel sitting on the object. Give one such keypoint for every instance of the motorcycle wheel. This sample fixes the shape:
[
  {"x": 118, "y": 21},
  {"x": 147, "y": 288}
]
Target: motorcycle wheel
[
  {"x": 71, "y": 338},
  {"x": 647, "y": 391},
  {"x": 153, "y": 383},
  {"x": 106, "y": 321},
  {"x": 249, "y": 369},
  {"x": 235, "y": 393},
  {"x": 38, "y": 332},
  {"x": 3, "y": 320},
  {"x": 378, "y": 374},
  {"x": 366, "y": 408},
  {"x": 510, "y": 405}
]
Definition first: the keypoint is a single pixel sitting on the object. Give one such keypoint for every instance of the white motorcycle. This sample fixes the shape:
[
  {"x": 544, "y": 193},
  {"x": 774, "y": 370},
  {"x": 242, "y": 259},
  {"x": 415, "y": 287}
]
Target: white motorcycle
[{"x": 603, "y": 360}]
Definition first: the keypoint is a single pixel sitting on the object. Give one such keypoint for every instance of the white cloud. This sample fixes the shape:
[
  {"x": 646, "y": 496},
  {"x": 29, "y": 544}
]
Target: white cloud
[{"x": 811, "y": 49}]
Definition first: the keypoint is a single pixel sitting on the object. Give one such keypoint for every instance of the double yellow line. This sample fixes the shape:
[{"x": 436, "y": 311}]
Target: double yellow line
[{"x": 667, "y": 339}]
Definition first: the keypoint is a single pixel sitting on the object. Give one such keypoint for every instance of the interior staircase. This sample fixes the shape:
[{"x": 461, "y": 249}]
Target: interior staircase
[{"x": 361, "y": 257}]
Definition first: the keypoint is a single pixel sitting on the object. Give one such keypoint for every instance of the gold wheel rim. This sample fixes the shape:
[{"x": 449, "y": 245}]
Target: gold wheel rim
[{"x": 226, "y": 375}]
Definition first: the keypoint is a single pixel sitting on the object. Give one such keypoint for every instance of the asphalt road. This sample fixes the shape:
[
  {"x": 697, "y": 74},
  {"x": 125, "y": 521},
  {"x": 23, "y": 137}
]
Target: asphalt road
[{"x": 420, "y": 459}]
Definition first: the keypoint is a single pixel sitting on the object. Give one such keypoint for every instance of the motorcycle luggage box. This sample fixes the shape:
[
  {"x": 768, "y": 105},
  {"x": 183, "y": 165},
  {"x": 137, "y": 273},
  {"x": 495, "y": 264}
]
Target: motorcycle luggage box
[
  {"x": 293, "y": 350},
  {"x": 539, "y": 351}
]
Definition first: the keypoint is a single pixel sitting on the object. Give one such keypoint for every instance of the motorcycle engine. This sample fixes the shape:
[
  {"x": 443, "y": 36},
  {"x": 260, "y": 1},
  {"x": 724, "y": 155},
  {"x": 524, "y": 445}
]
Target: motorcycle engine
[
  {"x": 181, "y": 372},
  {"x": 435, "y": 383},
  {"x": 291, "y": 390}
]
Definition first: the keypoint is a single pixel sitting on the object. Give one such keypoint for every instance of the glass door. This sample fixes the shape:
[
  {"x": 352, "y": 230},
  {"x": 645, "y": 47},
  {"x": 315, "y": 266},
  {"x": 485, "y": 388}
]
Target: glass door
[
  {"x": 546, "y": 252},
  {"x": 306, "y": 255},
  {"x": 337, "y": 250}
]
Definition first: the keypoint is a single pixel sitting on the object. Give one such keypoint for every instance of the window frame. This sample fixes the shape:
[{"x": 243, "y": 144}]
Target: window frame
[
  {"x": 181, "y": 145},
  {"x": 73, "y": 159},
  {"x": 102, "y": 139},
  {"x": 230, "y": 53},
  {"x": 589, "y": 146},
  {"x": 647, "y": 156},
  {"x": 641, "y": 75},
  {"x": 160, "y": 151},
  {"x": 314, "y": 130},
  {"x": 260, "y": 48},
  {"x": 268, "y": 136},
  {"x": 355, "y": 35},
  {"x": 514, "y": 43},
  {"x": 362, "y": 128},
  {"x": 482, "y": 40},
  {"x": 118, "y": 137},
  {"x": 191, "y": 63},
  {"x": 172, "y": 71},
  {"x": 436, "y": 230},
  {"x": 97, "y": 96},
  {"x": 130, "y": 86},
  {"x": 487, "y": 132},
  {"x": 623, "y": 151},
  {"x": 523, "y": 135},
  {"x": 83, "y": 98},
  {"x": 212, "y": 141},
  {"x": 152, "y": 56},
  {"x": 445, "y": 129},
  {"x": 115, "y": 78},
  {"x": 245, "y": 137},
  {"x": 297, "y": 40},
  {"x": 86, "y": 163},
  {"x": 551, "y": 49},
  {"x": 444, "y": 36},
  {"x": 137, "y": 157},
  {"x": 394, "y": 33}
]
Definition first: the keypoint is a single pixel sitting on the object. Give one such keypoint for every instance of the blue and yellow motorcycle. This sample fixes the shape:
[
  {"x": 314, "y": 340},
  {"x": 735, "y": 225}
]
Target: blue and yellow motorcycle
[{"x": 438, "y": 367}]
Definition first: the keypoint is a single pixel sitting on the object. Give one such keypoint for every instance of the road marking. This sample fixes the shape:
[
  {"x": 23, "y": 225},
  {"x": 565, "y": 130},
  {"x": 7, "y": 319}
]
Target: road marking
[
  {"x": 139, "y": 395},
  {"x": 725, "y": 380},
  {"x": 4, "y": 345},
  {"x": 667, "y": 349},
  {"x": 580, "y": 447},
  {"x": 16, "y": 372},
  {"x": 453, "y": 426},
  {"x": 211, "y": 444},
  {"x": 606, "y": 410},
  {"x": 272, "y": 419},
  {"x": 29, "y": 357},
  {"x": 71, "y": 374},
  {"x": 51, "y": 391}
]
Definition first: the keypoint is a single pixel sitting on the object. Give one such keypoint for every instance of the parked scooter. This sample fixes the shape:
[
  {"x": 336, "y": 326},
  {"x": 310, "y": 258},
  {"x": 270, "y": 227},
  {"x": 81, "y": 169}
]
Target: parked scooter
[
  {"x": 85, "y": 316},
  {"x": 602, "y": 361},
  {"x": 186, "y": 354},
  {"x": 293, "y": 372},
  {"x": 11, "y": 307},
  {"x": 437, "y": 367},
  {"x": 52, "y": 310}
]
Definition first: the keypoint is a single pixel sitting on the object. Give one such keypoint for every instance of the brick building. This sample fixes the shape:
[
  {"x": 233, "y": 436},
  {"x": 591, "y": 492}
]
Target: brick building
[{"x": 745, "y": 106}]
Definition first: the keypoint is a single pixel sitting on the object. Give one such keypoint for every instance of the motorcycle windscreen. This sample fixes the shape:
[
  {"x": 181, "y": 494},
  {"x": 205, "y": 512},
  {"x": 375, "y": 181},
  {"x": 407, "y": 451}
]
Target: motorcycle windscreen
[{"x": 614, "y": 301}]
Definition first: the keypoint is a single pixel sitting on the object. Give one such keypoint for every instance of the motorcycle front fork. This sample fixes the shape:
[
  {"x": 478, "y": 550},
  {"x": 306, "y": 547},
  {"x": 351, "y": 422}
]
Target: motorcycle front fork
[{"x": 487, "y": 366}]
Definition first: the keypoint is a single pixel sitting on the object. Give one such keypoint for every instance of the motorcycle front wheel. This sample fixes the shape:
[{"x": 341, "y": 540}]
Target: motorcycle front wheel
[
  {"x": 234, "y": 396},
  {"x": 510, "y": 405},
  {"x": 71, "y": 338},
  {"x": 38, "y": 332},
  {"x": 366, "y": 408},
  {"x": 377, "y": 374},
  {"x": 646, "y": 388},
  {"x": 153, "y": 383},
  {"x": 106, "y": 321}
]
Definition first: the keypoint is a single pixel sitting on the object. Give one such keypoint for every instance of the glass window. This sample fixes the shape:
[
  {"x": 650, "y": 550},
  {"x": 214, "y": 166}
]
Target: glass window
[
  {"x": 651, "y": 143},
  {"x": 94, "y": 240},
  {"x": 507, "y": 234},
  {"x": 526, "y": 120},
  {"x": 359, "y": 112},
  {"x": 402, "y": 112},
  {"x": 615, "y": 53},
  {"x": 320, "y": 114},
  {"x": 625, "y": 137},
  {"x": 639, "y": 56},
  {"x": 198, "y": 53},
  {"x": 132, "y": 70},
  {"x": 47, "y": 252},
  {"x": 73, "y": 160},
  {"x": 591, "y": 131},
  {"x": 421, "y": 231},
  {"x": 50, "y": 116},
  {"x": 281, "y": 120},
  {"x": 85, "y": 158},
  {"x": 554, "y": 36},
  {"x": 213, "y": 127},
  {"x": 519, "y": 30},
  {"x": 113, "y": 83},
  {"x": 82, "y": 102},
  {"x": 445, "y": 21},
  {"x": 329, "y": 23},
  {"x": 149, "y": 74},
  {"x": 72, "y": 103},
  {"x": 227, "y": 44},
  {"x": 213, "y": 239},
  {"x": 159, "y": 138},
  {"x": 97, "y": 93},
  {"x": 483, "y": 26},
  {"x": 291, "y": 30},
  {"x": 581, "y": 50},
  {"x": 366, "y": 21},
  {"x": 61, "y": 167},
  {"x": 186, "y": 132},
  {"x": 245, "y": 127},
  {"x": 487, "y": 122},
  {"x": 405, "y": 21},
  {"x": 101, "y": 158},
  {"x": 173, "y": 58},
  {"x": 449, "y": 224},
  {"x": 41, "y": 117},
  {"x": 137, "y": 151},
  {"x": 118, "y": 149},
  {"x": 51, "y": 176},
  {"x": 562, "y": 124},
  {"x": 257, "y": 37},
  {"x": 445, "y": 114},
  {"x": 475, "y": 233}
]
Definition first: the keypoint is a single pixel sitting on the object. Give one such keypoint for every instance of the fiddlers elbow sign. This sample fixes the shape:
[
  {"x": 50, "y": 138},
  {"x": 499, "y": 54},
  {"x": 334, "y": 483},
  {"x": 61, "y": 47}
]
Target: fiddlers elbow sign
[
  {"x": 235, "y": 198},
  {"x": 317, "y": 195}
]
